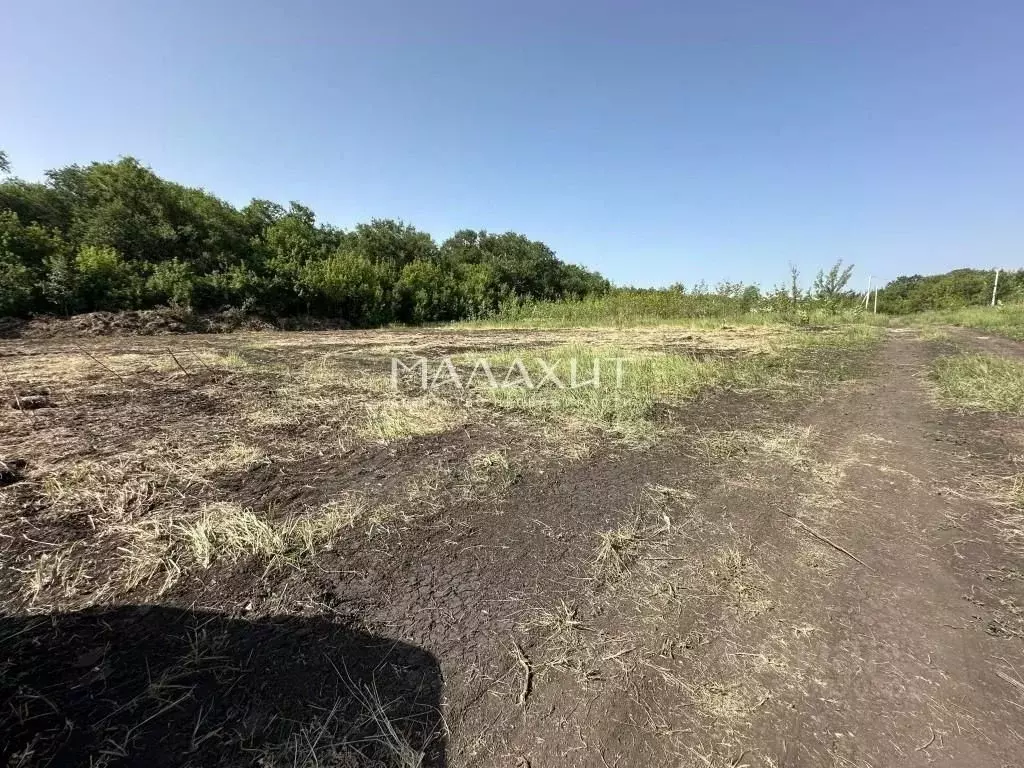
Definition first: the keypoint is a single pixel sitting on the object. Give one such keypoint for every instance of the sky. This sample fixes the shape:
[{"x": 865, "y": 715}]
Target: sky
[{"x": 657, "y": 142}]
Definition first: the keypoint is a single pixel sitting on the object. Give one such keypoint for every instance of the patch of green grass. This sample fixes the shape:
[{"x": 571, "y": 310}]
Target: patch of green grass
[
  {"x": 620, "y": 389},
  {"x": 1005, "y": 320},
  {"x": 981, "y": 382},
  {"x": 631, "y": 309}
]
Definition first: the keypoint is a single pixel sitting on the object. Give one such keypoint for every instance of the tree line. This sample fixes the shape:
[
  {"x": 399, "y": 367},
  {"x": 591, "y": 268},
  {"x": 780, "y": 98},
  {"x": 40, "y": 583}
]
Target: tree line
[
  {"x": 114, "y": 236},
  {"x": 953, "y": 290}
]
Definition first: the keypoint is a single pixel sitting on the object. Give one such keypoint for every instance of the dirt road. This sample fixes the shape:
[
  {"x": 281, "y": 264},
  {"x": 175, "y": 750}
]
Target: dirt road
[{"x": 848, "y": 591}]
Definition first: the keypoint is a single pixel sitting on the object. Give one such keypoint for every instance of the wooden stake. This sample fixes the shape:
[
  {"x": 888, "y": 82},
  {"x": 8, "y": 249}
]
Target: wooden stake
[
  {"x": 176, "y": 361},
  {"x": 101, "y": 365}
]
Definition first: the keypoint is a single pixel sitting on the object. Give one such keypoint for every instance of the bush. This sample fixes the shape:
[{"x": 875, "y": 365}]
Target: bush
[
  {"x": 345, "y": 285},
  {"x": 105, "y": 280},
  {"x": 16, "y": 287},
  {"x": 172, "y": 282}
]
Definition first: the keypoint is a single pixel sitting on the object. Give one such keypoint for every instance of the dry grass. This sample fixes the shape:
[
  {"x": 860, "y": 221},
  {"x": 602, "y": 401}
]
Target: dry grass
[
  {"x": 733, "y": 574},
  {"x": 1004, "y": 498},
  {"x": 375, "y": 738},
  {"x": 489, "y": 474},
  {"x": 156, "y": 511},
  {"x": 398, "y": 419},
  {"x": 791, "y": 445},
  {"x": 564, "y": 638},
  {"x": 230, "y": 533},
  {"x": 619, "y": 387},
  {"x": 617, "y": 550},
  {"x": 981, "y": 382},
  {"x": 158, "y": 549},
  {"x": 647, "y": 530},
  {"x": 57, "y": 572},
  {"x": 234, "y": 456},
  {"x": 226, "y": 531},
  {"x": 787, "y": 442}
]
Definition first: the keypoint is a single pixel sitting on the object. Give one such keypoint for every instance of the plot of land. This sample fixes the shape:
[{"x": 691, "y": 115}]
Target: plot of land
[{"x": 750, "y": 546}]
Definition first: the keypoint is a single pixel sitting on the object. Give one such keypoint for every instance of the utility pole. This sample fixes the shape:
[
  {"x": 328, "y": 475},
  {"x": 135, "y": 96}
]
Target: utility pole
[{"x": 995, "y": 287}]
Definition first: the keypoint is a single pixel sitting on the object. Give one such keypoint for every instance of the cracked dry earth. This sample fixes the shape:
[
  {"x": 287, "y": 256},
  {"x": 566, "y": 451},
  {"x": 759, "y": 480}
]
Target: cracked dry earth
[{"x": 845, "y": 590}]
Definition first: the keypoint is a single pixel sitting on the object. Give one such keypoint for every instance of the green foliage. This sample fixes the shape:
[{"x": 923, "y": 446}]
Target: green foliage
[
  {"x": 105, "y": 279},
  {"x": 116, "y": 236},
  {"x": 425, "y": 291},
  {"x": 629, "y": 307},
  {"x": 29, "y": 243},
  {"x": 61, "y": 284},
  {"x": 23, "y": 253},
  {"x": 1007, "y": 320},
  {"x": 348, "y": 284},
  {"x": 16, "y": 285},
  {"x": 953, "y": 290},
  {"x": 172, "y": 282},
  {"x": 830, "y": 287},
  {"x": 392, "y": 244}
]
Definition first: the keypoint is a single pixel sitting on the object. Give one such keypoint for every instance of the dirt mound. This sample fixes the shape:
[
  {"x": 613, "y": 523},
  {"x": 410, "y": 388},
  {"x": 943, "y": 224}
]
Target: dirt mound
[{"x": 154, "y": 322}]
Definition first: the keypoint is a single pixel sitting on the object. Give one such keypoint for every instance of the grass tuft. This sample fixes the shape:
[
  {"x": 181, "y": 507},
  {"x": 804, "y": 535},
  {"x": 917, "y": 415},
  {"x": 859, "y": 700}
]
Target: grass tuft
[
  {"x": 1005, "y": 320},
  {"x": 398, "y": 419},
  {"x": 226, "y": 531},
  {"x": 981, "y": 382}
]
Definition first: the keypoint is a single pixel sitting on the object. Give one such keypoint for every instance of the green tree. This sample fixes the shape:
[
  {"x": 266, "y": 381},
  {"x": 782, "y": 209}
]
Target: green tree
[
  {"x": 959, "y": 288},
  {"x": 425, "y": 292},
  {"x": 105, "y": 280},
  {"x": 16, "y": 286},
  {"x": 115, "y": 235},
  {"x": 29, "y": 242},
  {"x": 61, "y": 285},
  {"x": 830, "y": 286},
  {"x": 794, "y": 285},
  {"x": 172, "y": 282},
  {"x": 346, "y": 285},
  {"x": 392, "y": 244}
]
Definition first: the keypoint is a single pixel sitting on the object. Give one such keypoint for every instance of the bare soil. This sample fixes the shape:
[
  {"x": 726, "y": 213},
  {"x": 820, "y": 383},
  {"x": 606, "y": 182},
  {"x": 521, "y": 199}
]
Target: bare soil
[{"x": 823, "y": 576}]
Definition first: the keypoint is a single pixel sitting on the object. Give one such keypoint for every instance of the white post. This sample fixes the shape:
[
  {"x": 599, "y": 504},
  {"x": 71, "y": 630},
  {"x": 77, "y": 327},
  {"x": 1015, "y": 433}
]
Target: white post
[
  {"x": 995, "y": 287},
  {"x": 867, "y": 296},
  {"x": 876, "y": 300}
]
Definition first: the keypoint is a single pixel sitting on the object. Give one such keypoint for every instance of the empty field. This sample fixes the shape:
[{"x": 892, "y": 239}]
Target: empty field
[{"x": 665, "y": 546}]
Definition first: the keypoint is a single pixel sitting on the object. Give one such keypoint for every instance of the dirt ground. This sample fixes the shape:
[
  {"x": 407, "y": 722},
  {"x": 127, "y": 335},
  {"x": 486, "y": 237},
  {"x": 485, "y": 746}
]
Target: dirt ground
[{"x": 828, "y": 573}]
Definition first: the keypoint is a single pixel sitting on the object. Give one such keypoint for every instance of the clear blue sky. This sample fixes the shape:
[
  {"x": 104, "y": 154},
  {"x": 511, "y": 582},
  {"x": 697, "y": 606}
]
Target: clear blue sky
[{"x": 653, "y": 141}]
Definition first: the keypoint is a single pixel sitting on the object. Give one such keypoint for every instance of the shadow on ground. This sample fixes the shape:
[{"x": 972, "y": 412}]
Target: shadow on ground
[{"x": 145, "y": 685}]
